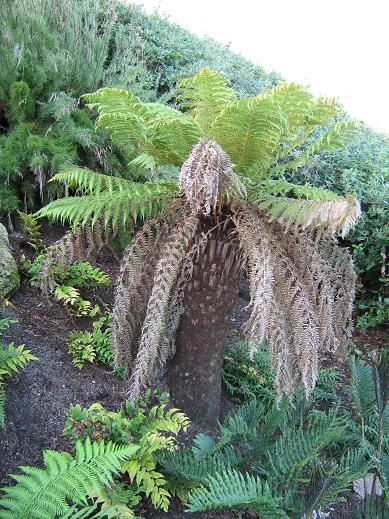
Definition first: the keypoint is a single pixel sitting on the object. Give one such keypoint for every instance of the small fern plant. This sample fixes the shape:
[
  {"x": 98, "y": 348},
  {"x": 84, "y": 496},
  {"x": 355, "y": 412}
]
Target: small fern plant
[
  {"x": 153, "y": 431},
  {"x": 67, "y": 486},
  {"x": 12, "y": 360},
  {"x": 87, "y": 346},
  {"x": 232, "y": 209}
]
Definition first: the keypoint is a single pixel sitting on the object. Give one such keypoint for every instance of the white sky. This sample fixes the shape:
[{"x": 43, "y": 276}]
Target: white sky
[{"x": 337, "y": 48}]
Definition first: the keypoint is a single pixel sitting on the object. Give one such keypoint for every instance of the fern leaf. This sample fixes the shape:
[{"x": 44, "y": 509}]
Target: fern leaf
[
  {"x": 332, "y": 216},
  {"x": 148, "y": 129},
  {"x": 294, "y": 450},
  {"x": 231, "y": 489},
  {"x": 133, "y": 201},
  {"x": 46, "y": 493},
  {"x": 362, "y": 387},
  {"x": 249, "y": 131},
  {"x": 13, "y": 358},
  {"x": 184, "y": 464},
  {"x": 282, "y": 188},
  {"x": 333, "y": 139},
  {"x": 205, "y": 95}
]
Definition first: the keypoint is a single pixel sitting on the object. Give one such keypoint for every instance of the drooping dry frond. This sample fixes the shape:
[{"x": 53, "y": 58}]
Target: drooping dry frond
[
  {"x": 136, "y": 282},
  {"x": 176, "y": 306},
  {"x": 154, "y": 324},
  {"x": 333, "y": 216},
  {"x": 76, "y": 244},
  {"x": 302, "y": 291},
  {"x": 205, "y": 175},
  {"x": 256, "y": 247}
]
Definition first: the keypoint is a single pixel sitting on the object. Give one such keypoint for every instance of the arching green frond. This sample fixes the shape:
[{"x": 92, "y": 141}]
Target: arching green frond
[
  {"x": 46, "y": 493},
  {"x": 287, "y": 189},
  {"x": 129, "y": 203},
  {"x": 249, "y": 131},
  {"x": 337, "y": 215},
  {"x": 205, "y": 95},
  {"x": 232, "y": 489},
  {"x": 331, "y": 140},
  {"x": 152, "y": 130},
  {"x": 90, "y": 182}
]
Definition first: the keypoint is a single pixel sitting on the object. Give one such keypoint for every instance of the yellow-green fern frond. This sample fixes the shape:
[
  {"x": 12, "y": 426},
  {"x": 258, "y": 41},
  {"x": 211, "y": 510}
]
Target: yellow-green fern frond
[
  {"x": 338, "y": 215},
  {"x": 116, "y": 201},
  {"x": 150, "y": 129},
  {"x": 330, "y": 140},
  {"x": 289, "y": 190},
  {"x": 249, "y": 131},
  {"x": 86, "y": 181},
  {"x": 205, "y": 95},
  {"x": 47, "y": 492}
]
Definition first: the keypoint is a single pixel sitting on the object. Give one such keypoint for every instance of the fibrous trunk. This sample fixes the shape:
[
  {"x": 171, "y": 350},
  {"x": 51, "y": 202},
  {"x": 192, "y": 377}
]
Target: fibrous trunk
[{"x": 194, "y": 373}]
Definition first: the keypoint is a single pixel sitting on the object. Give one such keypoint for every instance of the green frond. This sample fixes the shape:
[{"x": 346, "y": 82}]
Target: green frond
[
  {"x": 89, "y": 182},
  {"x": 172, "y": 420},
  {"x": 184, "y": 464},
  {"x": 362, "y": 388},
  {"x": 13, "y": 358},
  {"x": 249, "y": 131},
  {"x": 295, "y": 449},
  {"x": 231, "y": 489},
  {"x": 333, "y": 139},
  {"x": 46, "y": 493},
  {"x": 328, "y": 482},
  {"x": 373, "y": 507},
  {"x": 205, "y": 95},
  {"x": 129, "y": 203},
  {"x": 161, "y": 133},
  {"x": 336, "y": 215},
  {"x": 282, "y": 188}
]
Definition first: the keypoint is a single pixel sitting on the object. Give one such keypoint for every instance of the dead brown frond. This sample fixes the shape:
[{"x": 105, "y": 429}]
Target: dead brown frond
[
  {"x": 302, "y": 291},
  {"x": 77, "y": 244},
  {"x": 205, "y": 175},
  {"x": 136, "y": 282},
  {"x": 167, "y": 269}
]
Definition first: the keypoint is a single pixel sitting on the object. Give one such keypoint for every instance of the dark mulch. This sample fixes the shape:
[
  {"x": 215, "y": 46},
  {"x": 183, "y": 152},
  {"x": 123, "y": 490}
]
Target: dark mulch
[{"x": 39, "y": 398}]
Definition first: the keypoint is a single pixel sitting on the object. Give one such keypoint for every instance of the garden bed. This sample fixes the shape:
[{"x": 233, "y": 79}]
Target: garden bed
[{"x": 39, "y": 398}]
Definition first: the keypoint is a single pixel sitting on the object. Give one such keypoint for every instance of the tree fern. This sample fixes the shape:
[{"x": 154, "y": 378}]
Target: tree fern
[
  {"x": 48, "y": 493},
  {"x": 232, "y": 489}
]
